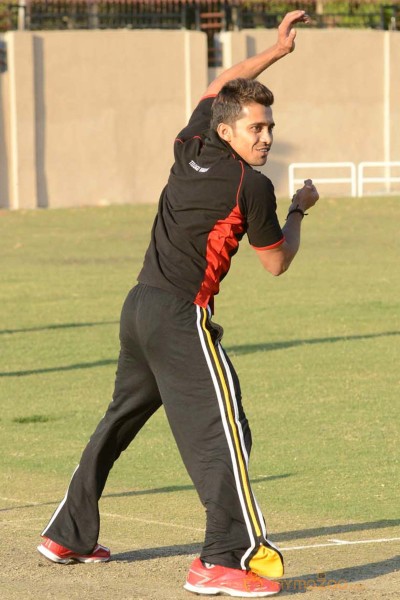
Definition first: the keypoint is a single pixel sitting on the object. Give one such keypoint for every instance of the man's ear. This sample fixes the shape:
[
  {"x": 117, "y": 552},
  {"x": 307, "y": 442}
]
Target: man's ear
[{"x": 225, "y": 132}]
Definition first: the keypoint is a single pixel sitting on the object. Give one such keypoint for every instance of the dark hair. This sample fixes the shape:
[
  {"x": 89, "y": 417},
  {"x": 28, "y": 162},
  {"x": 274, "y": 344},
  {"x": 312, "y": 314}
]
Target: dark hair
[{"x": 236, "y": 94}]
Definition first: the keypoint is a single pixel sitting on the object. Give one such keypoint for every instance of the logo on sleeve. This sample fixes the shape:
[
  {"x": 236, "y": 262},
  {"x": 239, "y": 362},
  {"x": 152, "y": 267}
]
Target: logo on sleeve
[{"x": 197, "y": 167}]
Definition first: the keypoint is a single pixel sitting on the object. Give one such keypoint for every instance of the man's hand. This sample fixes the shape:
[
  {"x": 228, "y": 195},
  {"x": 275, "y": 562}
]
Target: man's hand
[
  {"x": 306, "y": 197},
  {"x": 252, "y": 67},
  {"x": 286, "y": 33}
]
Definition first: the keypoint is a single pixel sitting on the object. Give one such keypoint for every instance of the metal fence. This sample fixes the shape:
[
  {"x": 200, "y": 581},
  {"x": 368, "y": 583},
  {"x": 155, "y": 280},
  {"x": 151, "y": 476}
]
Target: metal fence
[{"x": 210, "y": 16}]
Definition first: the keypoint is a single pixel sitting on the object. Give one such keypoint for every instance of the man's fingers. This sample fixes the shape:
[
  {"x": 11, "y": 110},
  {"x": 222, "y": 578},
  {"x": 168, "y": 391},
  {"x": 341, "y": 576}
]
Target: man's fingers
[
  {"x": 296, "y": 16},
  {"x": 308, "y": 185}
]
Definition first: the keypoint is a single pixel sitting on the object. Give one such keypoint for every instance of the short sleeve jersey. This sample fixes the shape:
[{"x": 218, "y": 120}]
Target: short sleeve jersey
[{"x": 212, "y": 199}]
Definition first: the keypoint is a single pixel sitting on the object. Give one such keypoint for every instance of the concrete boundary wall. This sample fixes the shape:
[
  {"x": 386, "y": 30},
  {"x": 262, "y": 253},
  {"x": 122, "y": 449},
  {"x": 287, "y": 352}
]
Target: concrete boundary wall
[{"x": 89, "y": 117}]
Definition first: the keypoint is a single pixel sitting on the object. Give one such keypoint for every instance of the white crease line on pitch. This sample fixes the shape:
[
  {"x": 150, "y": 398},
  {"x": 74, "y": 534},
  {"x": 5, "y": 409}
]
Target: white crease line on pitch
[
  {"x": 151, "y": 522},
  {"x": 7, "y": 521},
  {"x": 25, "y": 503},
  {"x": 341, "y": 543},
  {"x": 17, "y": 501}
]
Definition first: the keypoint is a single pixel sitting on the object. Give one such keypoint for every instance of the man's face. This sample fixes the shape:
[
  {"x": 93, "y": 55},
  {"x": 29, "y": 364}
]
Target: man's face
[{"x": 251, "y": 135}]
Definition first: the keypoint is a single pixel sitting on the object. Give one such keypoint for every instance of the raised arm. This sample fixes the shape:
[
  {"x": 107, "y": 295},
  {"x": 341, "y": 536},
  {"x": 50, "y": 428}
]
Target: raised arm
[{"x": 251, "y": 67}]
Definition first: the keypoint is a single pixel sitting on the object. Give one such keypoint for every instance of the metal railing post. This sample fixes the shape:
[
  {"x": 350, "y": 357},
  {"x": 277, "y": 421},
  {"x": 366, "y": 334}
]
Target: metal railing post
[
  {"x": 94, "y": 15},
  {"x": 352, "y": 180},
  {"x": 21, "y": 15}
]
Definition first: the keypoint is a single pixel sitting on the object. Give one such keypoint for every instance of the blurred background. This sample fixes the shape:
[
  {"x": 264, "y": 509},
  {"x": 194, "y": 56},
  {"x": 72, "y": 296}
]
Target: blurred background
[{"x": 93, "y": 93}]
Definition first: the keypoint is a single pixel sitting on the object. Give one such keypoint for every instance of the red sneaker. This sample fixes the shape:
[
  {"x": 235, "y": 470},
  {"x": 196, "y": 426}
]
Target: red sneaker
[
  {"x": 60, "y": 554},
  {"x": 214, "y": 579}
]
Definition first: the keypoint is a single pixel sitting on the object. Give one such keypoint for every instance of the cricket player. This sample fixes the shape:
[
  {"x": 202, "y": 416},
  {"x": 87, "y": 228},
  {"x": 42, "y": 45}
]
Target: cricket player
[{"x": 171, "y": 351}]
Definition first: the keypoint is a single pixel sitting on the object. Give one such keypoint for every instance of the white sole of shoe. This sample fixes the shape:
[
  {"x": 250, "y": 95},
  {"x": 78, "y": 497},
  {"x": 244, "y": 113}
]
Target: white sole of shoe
[
  {"x": 53, "y": 557},
  {"x": 210, "y": 591},
  {"x": 67, "y": 561}
]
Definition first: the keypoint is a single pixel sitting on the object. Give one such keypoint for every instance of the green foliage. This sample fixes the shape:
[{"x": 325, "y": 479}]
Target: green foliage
[
  {"x": 105, "y": 14},
  {"x": 316, "y": 351},
  {"x": 6, "y": 21}
]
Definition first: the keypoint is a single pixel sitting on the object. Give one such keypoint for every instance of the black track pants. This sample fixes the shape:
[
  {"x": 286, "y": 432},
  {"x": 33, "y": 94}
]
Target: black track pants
[{"x": 171, "y": 355}]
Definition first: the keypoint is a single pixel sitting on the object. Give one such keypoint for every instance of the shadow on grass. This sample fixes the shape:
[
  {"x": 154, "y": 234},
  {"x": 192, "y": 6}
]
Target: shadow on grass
[
  {"x": 268, "y": 347},
  {"x": 56, "y": 326},
  {"x": 183, "y": 488},
  {"x": 235, "y": 350},
  {"x": 164, "y": 490},
  {"x": 92, "y": 365},
  {"x": 155, "y": 553}
]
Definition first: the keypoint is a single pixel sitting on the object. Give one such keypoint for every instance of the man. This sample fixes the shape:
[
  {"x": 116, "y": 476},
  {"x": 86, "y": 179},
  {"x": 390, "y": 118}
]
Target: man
[{"x": 170, "y": 348}]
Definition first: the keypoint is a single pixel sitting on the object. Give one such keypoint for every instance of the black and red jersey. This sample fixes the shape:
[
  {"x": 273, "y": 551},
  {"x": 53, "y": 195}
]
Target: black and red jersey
[{"x": 212, "y": 198}]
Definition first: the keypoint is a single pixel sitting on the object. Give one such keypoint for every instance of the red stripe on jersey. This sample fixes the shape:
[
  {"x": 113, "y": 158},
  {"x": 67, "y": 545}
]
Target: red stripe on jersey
[
  {"x": 222, "y": 243},
  {"x": 271, "y": 246}
]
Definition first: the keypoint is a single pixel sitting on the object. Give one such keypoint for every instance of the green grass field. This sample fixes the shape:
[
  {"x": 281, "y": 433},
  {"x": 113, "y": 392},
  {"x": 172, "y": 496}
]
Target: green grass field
[{"x": 317, "y": 351}]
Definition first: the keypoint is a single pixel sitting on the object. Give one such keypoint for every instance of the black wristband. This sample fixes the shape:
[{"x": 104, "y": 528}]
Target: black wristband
[{"x": 296, "y": 210}]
